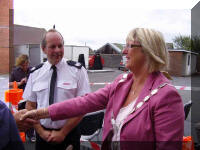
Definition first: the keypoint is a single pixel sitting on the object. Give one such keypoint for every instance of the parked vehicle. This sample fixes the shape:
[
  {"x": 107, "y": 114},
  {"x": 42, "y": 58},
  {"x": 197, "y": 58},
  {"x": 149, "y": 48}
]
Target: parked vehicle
[{"x": 123, "y": 63}]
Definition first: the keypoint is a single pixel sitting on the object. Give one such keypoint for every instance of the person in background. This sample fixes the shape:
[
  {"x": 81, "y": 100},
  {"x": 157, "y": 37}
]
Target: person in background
[
  {"x": 21, "y": 72},
  {"x": 143, "y": 109},
  {"x": 51, "y": 82}
]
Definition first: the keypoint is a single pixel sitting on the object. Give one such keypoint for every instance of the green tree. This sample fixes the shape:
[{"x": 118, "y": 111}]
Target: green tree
[{"x": 182, "y": 42}]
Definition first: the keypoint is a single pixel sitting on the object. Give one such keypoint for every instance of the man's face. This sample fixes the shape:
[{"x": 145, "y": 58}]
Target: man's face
[{"x": 54, "y": 47}]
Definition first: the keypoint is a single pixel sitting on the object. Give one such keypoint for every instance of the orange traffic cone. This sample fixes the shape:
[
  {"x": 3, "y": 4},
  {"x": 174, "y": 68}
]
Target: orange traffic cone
[
  {"x": 14, "y": 95},
  {"x": 22, "y": 136},
  {"x": 188, "y": 143}
]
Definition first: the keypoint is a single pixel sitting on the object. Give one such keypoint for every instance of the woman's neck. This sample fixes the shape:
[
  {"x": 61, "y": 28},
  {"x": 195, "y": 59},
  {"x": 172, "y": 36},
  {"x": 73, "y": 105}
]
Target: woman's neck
[{"x": 140, "y": 77}]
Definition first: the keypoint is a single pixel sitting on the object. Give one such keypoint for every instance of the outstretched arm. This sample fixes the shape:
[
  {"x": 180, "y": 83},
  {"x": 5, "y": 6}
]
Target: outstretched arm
[{"x": 36, "y": 114}]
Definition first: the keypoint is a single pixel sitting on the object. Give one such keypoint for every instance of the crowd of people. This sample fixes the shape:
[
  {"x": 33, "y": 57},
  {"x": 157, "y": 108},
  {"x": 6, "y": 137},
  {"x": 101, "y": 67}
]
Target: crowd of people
[{"x": 143, "y": 110}]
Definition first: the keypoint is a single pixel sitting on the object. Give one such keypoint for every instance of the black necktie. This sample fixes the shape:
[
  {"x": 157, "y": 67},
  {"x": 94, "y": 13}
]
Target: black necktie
[{"x": 52, "y": 85}]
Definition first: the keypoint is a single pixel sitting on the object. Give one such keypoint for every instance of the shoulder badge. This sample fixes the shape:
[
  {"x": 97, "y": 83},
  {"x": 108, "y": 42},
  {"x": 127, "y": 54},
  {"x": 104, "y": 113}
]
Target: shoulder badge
[
  {"x": 36, "y": 67},
  {"x": 74, "y": 63}
]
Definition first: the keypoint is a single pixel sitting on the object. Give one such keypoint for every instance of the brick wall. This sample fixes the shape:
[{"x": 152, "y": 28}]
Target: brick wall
[
  {"x": 175, "y": 63},
  {"x": 6, "y": 35},
  {"x": 111, "y": 60}
]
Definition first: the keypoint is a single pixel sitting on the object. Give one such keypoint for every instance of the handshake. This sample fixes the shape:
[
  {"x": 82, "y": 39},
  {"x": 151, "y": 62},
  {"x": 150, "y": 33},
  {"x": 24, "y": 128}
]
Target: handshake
[{"x": 26, "y": 119}]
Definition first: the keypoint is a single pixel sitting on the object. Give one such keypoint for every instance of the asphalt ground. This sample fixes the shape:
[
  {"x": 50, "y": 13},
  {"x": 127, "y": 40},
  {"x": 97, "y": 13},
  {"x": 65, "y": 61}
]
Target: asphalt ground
[{"x": 102, "y": 77}]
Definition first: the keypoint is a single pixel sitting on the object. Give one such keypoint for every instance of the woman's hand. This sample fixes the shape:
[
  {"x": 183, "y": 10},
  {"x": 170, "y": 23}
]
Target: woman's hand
[
  {"x": 32, "y": 114},
  {"x": 23, "y": 81},
  {"x": 36, "y": 114},
  {"x": 26, "y": 123}
]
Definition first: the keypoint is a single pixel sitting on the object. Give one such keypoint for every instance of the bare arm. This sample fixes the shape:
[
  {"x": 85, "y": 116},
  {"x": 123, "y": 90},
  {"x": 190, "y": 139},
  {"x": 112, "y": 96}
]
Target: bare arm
[
  {"x": 23, "y": 81},
  {"x": 39, "y": 129},
  {"x": 59, "y": 136},
  {"x": 30, "y": 105},
  {"x": 70, "y": 124}
]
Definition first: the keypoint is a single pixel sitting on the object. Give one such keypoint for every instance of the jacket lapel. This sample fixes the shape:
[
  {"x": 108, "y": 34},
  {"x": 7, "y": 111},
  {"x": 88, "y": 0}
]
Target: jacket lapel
[
  {"x": 145, "y": 91},
  {"x": 121, "y": 92}
]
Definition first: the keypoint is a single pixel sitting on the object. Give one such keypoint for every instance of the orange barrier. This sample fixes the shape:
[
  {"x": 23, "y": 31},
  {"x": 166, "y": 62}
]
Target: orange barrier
[
  {"x": 188, "y": 143},
  {"x": 14, "y": 95},
  {"x": 22, "y": 136}
]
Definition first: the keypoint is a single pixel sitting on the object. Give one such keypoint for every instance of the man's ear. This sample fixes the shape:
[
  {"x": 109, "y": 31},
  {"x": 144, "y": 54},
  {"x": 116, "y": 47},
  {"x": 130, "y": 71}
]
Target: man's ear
[{"x": 44, "y": 50}]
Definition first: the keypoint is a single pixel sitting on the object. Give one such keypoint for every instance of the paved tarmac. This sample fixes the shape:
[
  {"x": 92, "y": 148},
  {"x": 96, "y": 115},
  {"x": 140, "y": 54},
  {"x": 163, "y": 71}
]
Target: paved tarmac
[{"x": 101, "y": 77}]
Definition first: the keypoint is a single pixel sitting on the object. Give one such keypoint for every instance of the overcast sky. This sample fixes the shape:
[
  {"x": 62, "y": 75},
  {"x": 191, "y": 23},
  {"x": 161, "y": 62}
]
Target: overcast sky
[{"x": 96, "y": 22}]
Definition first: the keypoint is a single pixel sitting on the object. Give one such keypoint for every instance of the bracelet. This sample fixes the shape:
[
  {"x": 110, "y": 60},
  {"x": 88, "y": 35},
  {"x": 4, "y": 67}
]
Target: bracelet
[
  {"x": 35, "y": 115},
  {"x": 43, "y": 112}
]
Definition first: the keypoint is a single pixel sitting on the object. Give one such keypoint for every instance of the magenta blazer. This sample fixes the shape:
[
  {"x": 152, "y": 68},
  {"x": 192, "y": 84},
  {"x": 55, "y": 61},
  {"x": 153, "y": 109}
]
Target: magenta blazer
[{"x": 159, "y": 121}]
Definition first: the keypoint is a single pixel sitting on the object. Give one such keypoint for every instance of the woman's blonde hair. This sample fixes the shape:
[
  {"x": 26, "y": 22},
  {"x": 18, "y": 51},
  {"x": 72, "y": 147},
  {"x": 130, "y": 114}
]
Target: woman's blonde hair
[
  {"x": 21, "y": 60},
  {"x": 153, "y": 46}
]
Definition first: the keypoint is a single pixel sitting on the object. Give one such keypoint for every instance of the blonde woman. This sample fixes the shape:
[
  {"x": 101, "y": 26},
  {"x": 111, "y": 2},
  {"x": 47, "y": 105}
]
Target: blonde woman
[
  {"x": 143, "y": 109},
  {"x": 20, "y": 72}
]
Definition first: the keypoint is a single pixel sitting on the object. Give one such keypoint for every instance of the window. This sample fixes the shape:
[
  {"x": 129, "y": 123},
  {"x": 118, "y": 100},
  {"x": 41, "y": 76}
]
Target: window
[{"x": 189, "y": 60}]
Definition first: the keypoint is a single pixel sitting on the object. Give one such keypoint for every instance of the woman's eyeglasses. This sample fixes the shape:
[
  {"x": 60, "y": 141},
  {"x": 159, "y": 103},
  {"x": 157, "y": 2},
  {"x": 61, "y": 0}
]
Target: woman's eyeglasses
[{"x": 132, "y": 45}]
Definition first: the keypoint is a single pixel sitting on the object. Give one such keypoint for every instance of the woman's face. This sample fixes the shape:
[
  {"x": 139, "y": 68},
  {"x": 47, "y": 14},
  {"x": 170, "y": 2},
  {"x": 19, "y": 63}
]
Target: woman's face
[
  {"x": 136, "y": 59},
  {"x": 25, "y": 66}
]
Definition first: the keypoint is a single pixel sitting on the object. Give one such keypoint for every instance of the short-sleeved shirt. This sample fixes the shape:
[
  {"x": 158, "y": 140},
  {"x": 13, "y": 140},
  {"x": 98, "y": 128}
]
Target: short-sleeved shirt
[
  {"x": 71, "y": 82},
  {"x": 9, "y": 135},
  {"x": 18, "y": 74}
]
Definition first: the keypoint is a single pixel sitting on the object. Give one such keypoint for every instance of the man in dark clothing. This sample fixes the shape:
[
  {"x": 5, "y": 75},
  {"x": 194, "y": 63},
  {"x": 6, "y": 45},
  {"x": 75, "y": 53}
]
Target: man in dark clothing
[{"x": 9, "y": 135}]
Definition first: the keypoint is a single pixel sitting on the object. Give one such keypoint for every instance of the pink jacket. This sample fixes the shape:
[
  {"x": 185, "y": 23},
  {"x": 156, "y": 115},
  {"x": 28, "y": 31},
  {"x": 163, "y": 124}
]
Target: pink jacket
[{"x": 160, "y": 120}]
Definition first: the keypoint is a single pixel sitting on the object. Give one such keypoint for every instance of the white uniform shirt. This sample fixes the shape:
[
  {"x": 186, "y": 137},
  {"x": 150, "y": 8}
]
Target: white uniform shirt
[{"x": 71, "y": 82}]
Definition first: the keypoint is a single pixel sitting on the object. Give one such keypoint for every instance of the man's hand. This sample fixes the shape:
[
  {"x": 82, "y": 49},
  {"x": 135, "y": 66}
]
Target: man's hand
[
  {"x": 56, "y": 136},
  {"x": 25, "y": 124},
  {"x": 45, "y": 134}
]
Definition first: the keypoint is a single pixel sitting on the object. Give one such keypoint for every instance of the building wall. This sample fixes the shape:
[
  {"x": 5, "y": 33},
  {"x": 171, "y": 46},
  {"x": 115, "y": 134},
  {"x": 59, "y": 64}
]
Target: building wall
[
  {"x": 175, "y": 63},
  {"x": 182, "y": 63},
  {"x": 107, "y": 49},
  {"x": 198, "y": 63},
  {"x": 73, "y": 52},
  {"x": 193, "y": 63},
  {"x": 6, "y": 35},
  {"x": 32, "y": 50},
  {"x": 111, "y": 60}
]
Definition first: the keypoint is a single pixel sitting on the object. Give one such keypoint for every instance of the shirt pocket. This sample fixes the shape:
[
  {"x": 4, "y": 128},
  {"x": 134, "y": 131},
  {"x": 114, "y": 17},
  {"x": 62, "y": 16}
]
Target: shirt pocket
[
  {"x": 67, "y": 89},
  {"x": 42, "y": 93},
  {"x": 39, "y": 86}
]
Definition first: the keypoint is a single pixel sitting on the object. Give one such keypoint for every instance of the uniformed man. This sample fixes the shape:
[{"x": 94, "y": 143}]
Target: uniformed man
[{"x": 54, "y": 81}]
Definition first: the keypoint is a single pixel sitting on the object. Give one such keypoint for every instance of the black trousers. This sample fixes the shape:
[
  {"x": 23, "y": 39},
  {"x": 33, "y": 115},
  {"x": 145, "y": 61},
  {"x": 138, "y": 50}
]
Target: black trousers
[{"x": 73, "y": 138}]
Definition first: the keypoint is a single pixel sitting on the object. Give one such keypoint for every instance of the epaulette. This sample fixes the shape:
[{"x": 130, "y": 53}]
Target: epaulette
[
  {"x": 36, "y": 67},
  {"x": 75, "y": 64}
]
